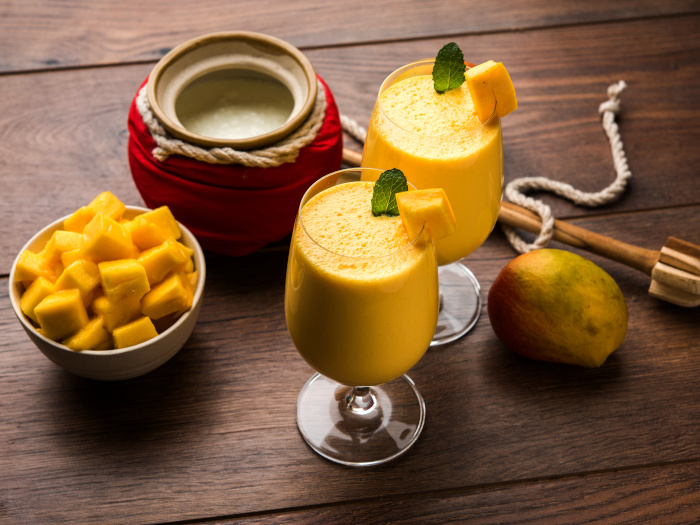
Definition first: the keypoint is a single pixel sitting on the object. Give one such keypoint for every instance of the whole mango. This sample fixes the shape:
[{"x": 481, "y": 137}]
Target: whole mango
[{"x": 554, "y": 305}]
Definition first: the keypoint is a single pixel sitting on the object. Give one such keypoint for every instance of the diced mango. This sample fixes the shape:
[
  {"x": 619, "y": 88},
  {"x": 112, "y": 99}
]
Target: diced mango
[
  {"x": 61, "y": 314},
  {"x": 173, "y": 294},
  {"x": 145, "y": 234},
  {"x": 105, "y": 240},
  {"x": 134, "y": 333},
  {"x": 32, "y": 265},
  {"x": 78, "y": 220},
  {"x": 123, "y": 278},
  {"x": 164, "y": 218},
  {"x": 68, "y": 258},
  {"x": 82, "y": 275},
  {"x": 115, "y": 313},
  {"x": 92, "y": 336},
  {"x": 108, "y": 205},
  {"x": 33, "y": 295},
  {"x": 429, "y": 208},
  {"x": 61, "y": 241},
  {"x": 490, "y": 85},
  {"x": 163, "y": 259}
]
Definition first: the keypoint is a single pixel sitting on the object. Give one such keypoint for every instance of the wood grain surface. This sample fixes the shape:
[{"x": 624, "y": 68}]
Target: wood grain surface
[{"x": 211, "y": 437}]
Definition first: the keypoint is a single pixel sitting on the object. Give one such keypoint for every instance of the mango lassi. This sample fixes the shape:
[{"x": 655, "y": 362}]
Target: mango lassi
[
  {"x": 437, "y": 140},
  {"x": 361, "y": 298}
]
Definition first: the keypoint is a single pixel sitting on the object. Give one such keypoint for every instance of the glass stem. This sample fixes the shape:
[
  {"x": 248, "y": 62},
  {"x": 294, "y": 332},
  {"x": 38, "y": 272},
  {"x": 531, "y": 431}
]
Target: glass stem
[{"x": 360, "y": 400}]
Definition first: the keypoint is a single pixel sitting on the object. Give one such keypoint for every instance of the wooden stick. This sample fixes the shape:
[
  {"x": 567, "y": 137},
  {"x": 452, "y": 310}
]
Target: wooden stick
[
  {"x": 633, "y": 256},
  {"x": 351, "y": 157}
]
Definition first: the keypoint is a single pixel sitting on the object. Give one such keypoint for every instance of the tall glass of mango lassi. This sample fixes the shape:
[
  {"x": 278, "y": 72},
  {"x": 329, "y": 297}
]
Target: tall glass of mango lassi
[
  {"x": 437, "y": 140},
  {"x": 361, "y": 304}
]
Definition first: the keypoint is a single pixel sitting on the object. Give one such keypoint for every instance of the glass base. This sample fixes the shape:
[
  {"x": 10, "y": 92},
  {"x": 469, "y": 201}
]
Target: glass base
[
  {"x": 460, "y": 303},
  {"x": 360, "y": 427}
]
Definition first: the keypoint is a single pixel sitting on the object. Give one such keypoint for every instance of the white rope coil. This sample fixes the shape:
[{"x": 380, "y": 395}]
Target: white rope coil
[
  {"x": 515, "y": 190},
  {"x": 284, "y": 151}
]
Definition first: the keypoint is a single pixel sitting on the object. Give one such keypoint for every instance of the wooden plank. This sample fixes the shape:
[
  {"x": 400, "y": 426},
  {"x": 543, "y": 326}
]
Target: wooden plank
[
  {"x": 212, "y": 433},
  {"x": 63, "y": 134},
  {"x": 40, "y": 35},
  {"x": 665, "y": 494}
]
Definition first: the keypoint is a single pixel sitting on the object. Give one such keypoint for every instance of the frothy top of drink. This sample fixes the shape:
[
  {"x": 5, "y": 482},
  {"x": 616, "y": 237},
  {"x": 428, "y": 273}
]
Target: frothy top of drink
[
  {"x": 346, "y": 240},
  {"x": 432, "y": 125}
]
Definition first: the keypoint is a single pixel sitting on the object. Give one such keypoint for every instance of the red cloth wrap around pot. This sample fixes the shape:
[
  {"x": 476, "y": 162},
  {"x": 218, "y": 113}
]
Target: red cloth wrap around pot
[{"x": 230, "y": 208}]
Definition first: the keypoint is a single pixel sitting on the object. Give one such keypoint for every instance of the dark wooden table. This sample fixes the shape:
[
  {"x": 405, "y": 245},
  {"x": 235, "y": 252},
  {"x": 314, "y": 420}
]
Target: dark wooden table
[{"x": 210, "y": 437}]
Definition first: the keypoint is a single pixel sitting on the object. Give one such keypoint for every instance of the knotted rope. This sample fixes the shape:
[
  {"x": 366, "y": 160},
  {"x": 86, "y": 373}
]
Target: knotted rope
[
  {"x": 515, "y": 190},
  {"x": 279, "y": 153}
]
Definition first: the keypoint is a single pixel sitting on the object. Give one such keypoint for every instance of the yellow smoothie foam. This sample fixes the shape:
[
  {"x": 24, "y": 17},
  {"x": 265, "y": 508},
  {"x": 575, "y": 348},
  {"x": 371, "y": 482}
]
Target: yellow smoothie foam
[{"x": 340, "y": 220}]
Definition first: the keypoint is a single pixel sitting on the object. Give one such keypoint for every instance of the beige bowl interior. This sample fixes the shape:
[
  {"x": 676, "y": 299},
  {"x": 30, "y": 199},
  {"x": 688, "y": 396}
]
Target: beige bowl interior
[
  {"x": 112, "y": 365},
  {"x": 254, "y": 52}
]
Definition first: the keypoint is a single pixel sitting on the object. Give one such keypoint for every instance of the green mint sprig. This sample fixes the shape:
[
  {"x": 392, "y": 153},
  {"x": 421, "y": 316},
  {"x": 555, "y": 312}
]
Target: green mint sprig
[
  {"x": 449, "y": 68},
  {"x": 388, "y": 184}
]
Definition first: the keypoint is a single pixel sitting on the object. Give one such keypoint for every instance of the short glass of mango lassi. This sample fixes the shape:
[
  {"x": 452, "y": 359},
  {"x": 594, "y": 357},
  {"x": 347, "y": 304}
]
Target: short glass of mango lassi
[
  {"x": 437, "y": 140},
  {"x": 361, "y": 304}
]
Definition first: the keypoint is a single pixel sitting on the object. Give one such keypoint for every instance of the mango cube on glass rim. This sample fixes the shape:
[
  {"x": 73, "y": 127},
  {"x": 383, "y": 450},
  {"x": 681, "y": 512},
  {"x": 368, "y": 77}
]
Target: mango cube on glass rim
[
  {"x": 123, "y": 278},
  {"x": 490, "y": 85},
  {"x": 429, "y": 208},
  {"x": 134, "y": 333},
  {"x": 61, "y": 314}
]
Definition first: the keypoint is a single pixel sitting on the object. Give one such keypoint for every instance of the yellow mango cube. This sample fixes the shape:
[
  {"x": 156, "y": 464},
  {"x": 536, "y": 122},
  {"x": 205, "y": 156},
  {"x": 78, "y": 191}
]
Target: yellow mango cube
[
  {"x": 108, "y": 205},
  {"x": 78, "y": 220},
  {"x": 68, "y": 258},
  {"x": 115, "y": 313},
  {"x": 123, "y": 278},
  {"x": 61, "y": 241},
  {"x": 429, "y": 208},
  {"x": 145, "y": 234},
  {"x": 173, "y": 294},
  {"x": 164, "y": 218},
  {"x": 61, "y": 314},
  {"x": 134, "y": 333},
  {"x": 92, "y": 336},
  {"x": 32, "y": 265},
  {"x": 104, "y": 239},
  {"x": 82, "y": 275},
  {"x": 490, "y": 85},
  {"x": 162, "y": 260},
  {"x": 33, "y": 295}
]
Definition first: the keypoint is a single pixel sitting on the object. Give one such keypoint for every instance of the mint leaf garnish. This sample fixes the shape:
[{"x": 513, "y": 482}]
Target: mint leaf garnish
[
  {"x": 388, "y": 184},
  {"x": 449, "y": 68}
]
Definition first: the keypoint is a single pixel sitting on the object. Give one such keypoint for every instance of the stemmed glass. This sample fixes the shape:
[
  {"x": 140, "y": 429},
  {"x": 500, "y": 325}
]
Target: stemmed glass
[
  {"x": 468, "y": 164},
  {"x": 361, "y": 322}
]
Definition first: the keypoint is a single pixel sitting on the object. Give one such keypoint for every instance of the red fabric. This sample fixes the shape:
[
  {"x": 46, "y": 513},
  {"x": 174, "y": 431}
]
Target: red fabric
[{"x": 233, "y": 209}]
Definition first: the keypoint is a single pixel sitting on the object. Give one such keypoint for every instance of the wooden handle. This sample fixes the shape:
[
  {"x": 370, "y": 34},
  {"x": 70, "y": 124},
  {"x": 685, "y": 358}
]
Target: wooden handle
[
  {"x": 627, "y": 254},
  {"x": 352, "y": 158}
]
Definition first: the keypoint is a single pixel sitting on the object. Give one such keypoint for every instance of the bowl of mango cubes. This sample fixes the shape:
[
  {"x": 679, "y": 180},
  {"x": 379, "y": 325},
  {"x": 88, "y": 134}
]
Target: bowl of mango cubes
[{"x": 111, "y": 291}]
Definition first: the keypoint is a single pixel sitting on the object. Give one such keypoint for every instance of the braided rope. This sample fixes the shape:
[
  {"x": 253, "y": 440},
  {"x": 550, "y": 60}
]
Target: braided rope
[
  {"x": 515, "y": 190},
  {"x": 284, "y": 151}
]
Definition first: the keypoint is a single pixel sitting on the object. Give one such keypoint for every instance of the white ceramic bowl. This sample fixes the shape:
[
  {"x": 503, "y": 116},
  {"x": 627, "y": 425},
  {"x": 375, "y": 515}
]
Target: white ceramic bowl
[{"x": 125, "y": 363}]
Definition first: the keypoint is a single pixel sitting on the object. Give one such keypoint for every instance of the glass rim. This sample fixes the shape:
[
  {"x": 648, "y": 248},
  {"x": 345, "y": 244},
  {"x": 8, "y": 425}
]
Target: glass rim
[
  {"x": 425, "y": 62},
  {"x": 354, "y": 257}
]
